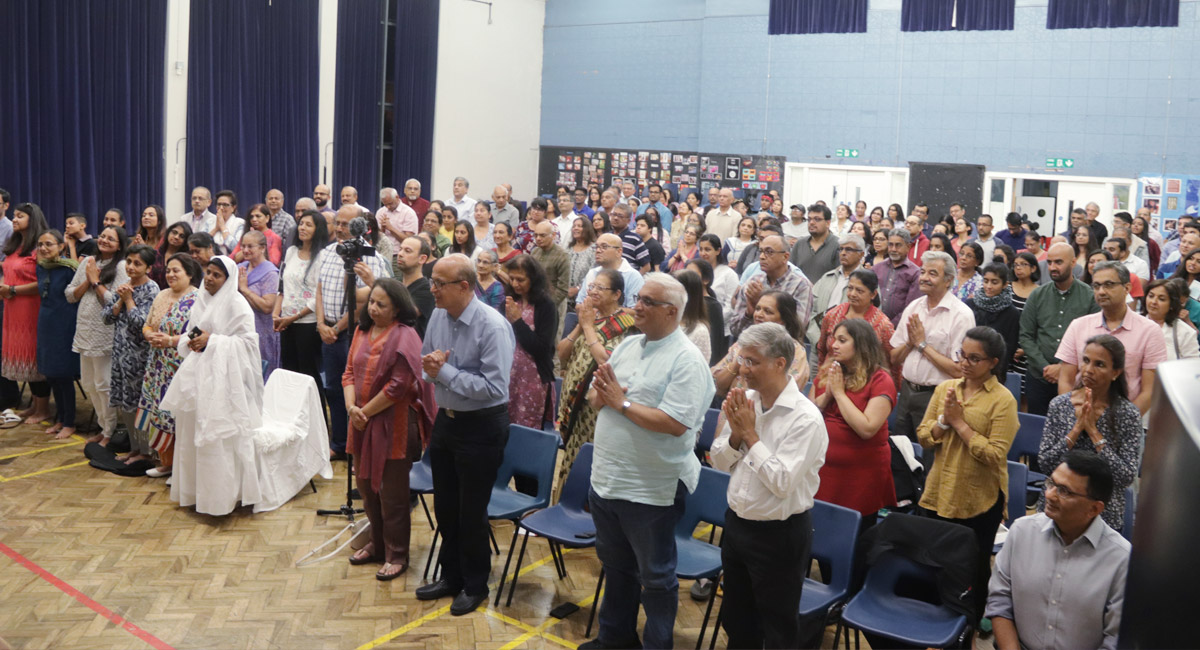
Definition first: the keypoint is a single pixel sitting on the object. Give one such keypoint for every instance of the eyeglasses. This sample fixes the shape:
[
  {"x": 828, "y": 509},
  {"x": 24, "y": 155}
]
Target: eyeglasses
[
  {"x": 435, "y": 283},
  {"x": 650, "y": 302},
  {"x": 224, "y": 205},
  {"x": 1064, "y": 492},
  {"x": 850, "y": 249},
  {"x": 971, "y": 358},
  {"x": 605, "y": 247},
  {"x": 767, "y": 252},
  {"x": 1107, "y": 286},
  {"x": 745, "y": 361},
  {"x": 596, "y": 287}
]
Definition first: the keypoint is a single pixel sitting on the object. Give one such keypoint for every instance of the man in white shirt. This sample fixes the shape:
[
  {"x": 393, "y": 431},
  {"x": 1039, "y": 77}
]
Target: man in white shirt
[
  {"x": 772, "y": 442},
  {"x": 1118, "y": 247},
  {"x": 983, "y": 225},
  {"x": 349, "y": 197},
  {"x": 464, "y": 204},
  {"x": 723, "y": 220},
  {"x": 396, "y": 220},
  {"x": 565, "y": 220},
  {"x": 627, "y": 190},
  {"x": 200, "y": 219}
]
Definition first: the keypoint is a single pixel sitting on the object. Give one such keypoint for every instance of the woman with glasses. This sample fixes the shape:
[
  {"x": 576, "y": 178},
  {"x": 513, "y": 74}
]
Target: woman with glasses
[
  {"x": 1097, "y": 416},
  {"x": 878, "y": 249},
  {"x": 969, "y": 426},
  {"x": 432, "y": 226},
  {"x": 773, "y": 307},
  {"x": 603, "y": 323},
  {"x": 862, "y": 292},
  {"x": 855, "y": 392},
  {"x": 967, "y": 280},
  {"x": 688, "y": 249}
]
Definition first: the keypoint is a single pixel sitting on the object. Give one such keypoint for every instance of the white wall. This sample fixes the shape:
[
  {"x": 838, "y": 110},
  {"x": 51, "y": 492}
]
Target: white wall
[
  {"x": 175, "y": 199},
  {"x": 328, "y": 72},
  {"x": 488, "y": 111}
]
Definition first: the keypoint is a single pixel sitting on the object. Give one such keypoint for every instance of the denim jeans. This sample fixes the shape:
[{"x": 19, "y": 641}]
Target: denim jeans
[
  {"x": 636, "y": 546},
  {"x": 333, "y": 364}
]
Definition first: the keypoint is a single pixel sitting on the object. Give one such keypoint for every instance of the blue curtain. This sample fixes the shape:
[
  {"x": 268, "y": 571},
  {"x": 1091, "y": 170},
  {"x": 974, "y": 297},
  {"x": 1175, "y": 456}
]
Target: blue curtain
[
  {"x": 81, "y": 112},
  {"x": 978, "y": 15},
  {"x": 817, "y": 17},
  {"x": 1069, "y": 14},
  {"x": 973, "y": 15},
  {"x": 252, "y": 98},
  {"x": 413, "y": 87},
  {"x": 357, "y": 97}
]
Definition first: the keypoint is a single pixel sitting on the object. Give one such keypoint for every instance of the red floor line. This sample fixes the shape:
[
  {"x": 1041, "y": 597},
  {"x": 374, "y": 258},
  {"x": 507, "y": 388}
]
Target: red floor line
[{"x": 150, "y": 639}]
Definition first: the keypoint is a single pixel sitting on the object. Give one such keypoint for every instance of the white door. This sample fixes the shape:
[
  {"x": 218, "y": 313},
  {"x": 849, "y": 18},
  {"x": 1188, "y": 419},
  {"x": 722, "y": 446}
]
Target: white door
[
  {"x": 1077, "y": 194},
  {"x": 828, "y": 185}
]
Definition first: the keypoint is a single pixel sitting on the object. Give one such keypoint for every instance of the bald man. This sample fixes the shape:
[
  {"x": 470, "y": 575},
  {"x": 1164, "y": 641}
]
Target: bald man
[
  {"x": 608, "y": 256},
  {"x": 723, "y": 220},
  {"x": 1049, "y": 310},
  {"x": 282, "y": 223},
  {"x": 321, "y": 194},
  {"x": 502, "y": 210},
  {"x": 349, "y": 197},
  {"x": 555, "y": 261}
]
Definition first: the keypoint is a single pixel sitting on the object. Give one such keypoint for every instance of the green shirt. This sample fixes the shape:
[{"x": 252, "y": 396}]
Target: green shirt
[{"x": 1047, "y": 314}]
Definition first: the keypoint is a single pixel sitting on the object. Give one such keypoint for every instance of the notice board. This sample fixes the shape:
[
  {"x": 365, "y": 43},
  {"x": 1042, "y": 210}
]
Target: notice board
[{"x": 573, "y": 167}]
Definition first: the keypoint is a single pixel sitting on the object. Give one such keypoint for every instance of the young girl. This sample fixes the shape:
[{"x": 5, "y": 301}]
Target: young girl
[
  {"x": 736, "y": 244},
  {"x": 56, "y": 322}
]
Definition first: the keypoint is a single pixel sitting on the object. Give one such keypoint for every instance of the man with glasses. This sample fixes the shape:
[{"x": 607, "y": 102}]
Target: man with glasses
[
  {"x": 1145, "y": 347},
  {"x": 651, "y": 397},
  {"x": 581, "y": 207},
  {"x": 632, "y": 245},
  {"x": 609, "y": 256},
  {"x": 1048, "y": 311},
  {"x": 775, "y": 273},
  {"x": 818, "y": 253},
  {"x": 333, "y": 322},
  {"x": 413, "y": 199},
  {"x": 914, "y": 223},
  {"x": 927, "y": 342},
  {"x": 200, "y": 219},
  {"x": 1059, "y": 581},
  {"x": 830, "y": 290},
  {"x": 898, "y": 275},
  {"x": 321, "y": 195},
  {"x": 467, "y": 355}
]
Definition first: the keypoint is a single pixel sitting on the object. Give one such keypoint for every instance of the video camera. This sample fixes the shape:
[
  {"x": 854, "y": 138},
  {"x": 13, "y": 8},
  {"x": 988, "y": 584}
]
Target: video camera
[{"x": 354, "y": 249}]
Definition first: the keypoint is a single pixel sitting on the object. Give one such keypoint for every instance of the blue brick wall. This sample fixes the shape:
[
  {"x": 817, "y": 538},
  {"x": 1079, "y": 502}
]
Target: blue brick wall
[{"x": 703, "y": 75}]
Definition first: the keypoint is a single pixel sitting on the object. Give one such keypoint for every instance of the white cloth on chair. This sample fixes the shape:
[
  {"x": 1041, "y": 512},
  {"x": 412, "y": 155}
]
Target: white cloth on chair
[{"x": 292, "y": 444}]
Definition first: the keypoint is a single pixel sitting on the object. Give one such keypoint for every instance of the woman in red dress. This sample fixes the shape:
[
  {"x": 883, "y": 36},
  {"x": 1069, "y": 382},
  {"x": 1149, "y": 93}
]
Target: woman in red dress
[
  {"x": 19, "y": 290},
  {"x": 855, "y": 391}
]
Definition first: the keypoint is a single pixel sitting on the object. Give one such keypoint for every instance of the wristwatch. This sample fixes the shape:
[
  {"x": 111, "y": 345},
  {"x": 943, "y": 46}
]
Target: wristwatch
[
  {"x": 625, "y": 406},
  {"x": 921, "y": 346}
]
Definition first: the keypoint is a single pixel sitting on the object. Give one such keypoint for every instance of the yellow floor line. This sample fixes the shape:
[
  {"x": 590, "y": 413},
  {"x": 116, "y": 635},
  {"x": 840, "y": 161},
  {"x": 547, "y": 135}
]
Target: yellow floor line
[
  {"x": 4, "y": 479},
  {"x": 404, "y": 629},
  {"x": 77, "y": 439}
]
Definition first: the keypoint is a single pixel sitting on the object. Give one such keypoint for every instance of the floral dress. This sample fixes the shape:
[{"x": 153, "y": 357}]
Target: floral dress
[
  {"x": 581, "y": 262},
  {"x": 130, "y": 348},
  {"x": 170, "y": 319},
  {"x": 528, "y": 403},
  {"x": 968, "y": 289}
]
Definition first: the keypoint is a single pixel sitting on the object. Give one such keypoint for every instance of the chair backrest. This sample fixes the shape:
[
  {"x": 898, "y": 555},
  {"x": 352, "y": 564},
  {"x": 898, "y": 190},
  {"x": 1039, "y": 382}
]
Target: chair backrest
[
  {"x": 531, "y": 453},
  {"x": 834, "y": 538},
  {"x": 1013, "y": 383},
  {"x": 1018, "y": 478},
  {"x": 1029, "y": 437},
  {"x": 708, "y": 431},
  {"x": 891, "y": 568},
  {"x": 569, "y": 323},
  {"x": 1127, "y": 518},
  {"x": 707, "y": 504},
  {"x": 575, "y": 489}
]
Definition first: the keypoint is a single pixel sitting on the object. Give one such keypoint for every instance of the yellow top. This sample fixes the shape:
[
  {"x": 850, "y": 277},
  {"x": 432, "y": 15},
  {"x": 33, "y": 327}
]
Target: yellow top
[{"x": 967, "y": 476}]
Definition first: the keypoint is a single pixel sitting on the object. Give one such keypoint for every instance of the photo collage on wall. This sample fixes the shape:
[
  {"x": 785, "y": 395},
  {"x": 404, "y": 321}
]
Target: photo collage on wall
[
  {"x": 581, "y": 167},
  {"x": 1169, "y": 197}
]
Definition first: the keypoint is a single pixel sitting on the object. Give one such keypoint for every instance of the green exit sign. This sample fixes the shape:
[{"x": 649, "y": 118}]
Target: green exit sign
[
  {"x": 847, "y": 153},
  {"x": 1060, "y": 163}
]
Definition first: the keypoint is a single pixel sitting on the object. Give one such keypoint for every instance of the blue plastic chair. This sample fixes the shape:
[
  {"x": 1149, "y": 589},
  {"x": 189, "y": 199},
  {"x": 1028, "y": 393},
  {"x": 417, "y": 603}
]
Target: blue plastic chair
[
  {"x": 1013, "y": 383},
  {"x": 879, "y": 609},
  {"x": 566, "y": 523},
  {"x": 1018, "y": 480},
  {"x": 420, "y": 483},
  {"x": 534, "y": 454},
  {"x": 1026, "y": 444},
  {"x": 834, "y": 538},
  {"x": 569, "y": 323},
  {"x": 551, "y": 425},
  {"x": 1127, "y": 518},
  {"x": 708, "y": 431}
]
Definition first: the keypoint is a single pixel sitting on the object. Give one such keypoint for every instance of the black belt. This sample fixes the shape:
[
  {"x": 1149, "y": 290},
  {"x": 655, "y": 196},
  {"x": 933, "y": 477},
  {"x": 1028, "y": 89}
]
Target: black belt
[
  {"x": 478, "y": 413},
  {"x": 918, "y": 388}
]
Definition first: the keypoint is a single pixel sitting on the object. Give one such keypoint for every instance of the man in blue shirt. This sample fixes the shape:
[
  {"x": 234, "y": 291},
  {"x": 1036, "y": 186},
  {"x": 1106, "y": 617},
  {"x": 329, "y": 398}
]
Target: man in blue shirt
[
  {"x": 651, "y": 397},
  {"x": 467, "y": 355},
  {"x": 664, "y": 213},
  {"x": 581, "y": 206},
  {"x": 1014, "y": 235}
]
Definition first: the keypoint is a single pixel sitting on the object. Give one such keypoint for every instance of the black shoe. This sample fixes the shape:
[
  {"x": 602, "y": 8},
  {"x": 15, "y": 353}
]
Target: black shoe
[
  {"x": 337, "y": 455},
  {"x": 465, "y": 603},
  {"x": 435, "y": 590},
  {"x": 595, "y": 644}
]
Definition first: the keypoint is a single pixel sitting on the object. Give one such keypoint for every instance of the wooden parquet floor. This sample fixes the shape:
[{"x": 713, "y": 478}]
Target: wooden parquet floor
[{"x": 172, "y": 578}]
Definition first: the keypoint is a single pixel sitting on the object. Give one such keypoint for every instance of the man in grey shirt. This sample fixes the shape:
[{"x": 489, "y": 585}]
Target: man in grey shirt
[
  {"x": 818, "y": 253},
  {"x": 502, "y": 210},
  {"x": 1059, "y": 581}
]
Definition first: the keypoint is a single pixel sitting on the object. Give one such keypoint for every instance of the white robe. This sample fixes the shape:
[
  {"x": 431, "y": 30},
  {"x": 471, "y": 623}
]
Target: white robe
[{"x": 216, "y": 399}]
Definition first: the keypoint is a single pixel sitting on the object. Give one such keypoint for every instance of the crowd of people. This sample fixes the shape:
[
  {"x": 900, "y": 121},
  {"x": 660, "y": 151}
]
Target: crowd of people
[{"x": 808, "y": 329}]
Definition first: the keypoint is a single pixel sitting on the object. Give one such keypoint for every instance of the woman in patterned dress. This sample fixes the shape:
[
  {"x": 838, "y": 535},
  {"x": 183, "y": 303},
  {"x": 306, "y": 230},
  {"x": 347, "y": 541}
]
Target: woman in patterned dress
[
  {"x": 164, "y": 325},
  {"x": 581, "y": 248},
  {"x": 773, "y": 307},
  {"x": 861, "y": 290},
  {"x": 534, "y": 321},
  {"x": 126, "y": 310},
  {"x": 258, "y": 282},
  {"x": 22, "y": 301},
  {"x": 603, "y": 323}
]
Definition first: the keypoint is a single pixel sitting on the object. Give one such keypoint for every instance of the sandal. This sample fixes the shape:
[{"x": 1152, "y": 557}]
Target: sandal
[
  {"x": 358, "y": 560},
  {"x": 384, "y": 577},
  {"x": 9, "y": 420}
]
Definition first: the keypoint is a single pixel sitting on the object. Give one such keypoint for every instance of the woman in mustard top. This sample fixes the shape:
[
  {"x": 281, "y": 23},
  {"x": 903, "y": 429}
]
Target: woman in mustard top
[{"x": 969, "y": 426}]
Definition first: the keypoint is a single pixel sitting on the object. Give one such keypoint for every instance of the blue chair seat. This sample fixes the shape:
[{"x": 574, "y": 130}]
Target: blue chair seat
[
  {"x": 420, "y": 479},
  {"x": 818, "y": 597},
  {"x": 510, "y": 504},
  {"x": 697, "y": 559},
  {"x": 879, "y": 610},
  {"x": 562, "y": 526}
]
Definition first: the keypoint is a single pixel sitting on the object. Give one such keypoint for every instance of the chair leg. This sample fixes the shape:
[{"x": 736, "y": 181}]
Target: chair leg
[
  {"x": 432, "y": 552},
  {"x": 712, "y": 597},
  {"x": 595, "y": 604},
  {"x": 492, "y": 534},
  {"x": 421, "y": 498},
  {"x": 837, "y": 633},
  {"x": 313, "y": 486},
  {"x": 717, "y": 624},
  {"x": 504, "y": 573},
  {"x": 513, "y": 586},
  {"x": 857, "y": 636},
  {"x": 560, "y": 565}
]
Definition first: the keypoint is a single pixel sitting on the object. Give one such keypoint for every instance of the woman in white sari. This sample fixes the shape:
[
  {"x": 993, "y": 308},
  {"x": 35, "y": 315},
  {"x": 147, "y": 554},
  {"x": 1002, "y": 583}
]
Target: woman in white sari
[{"x": 216, "y": 398}]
